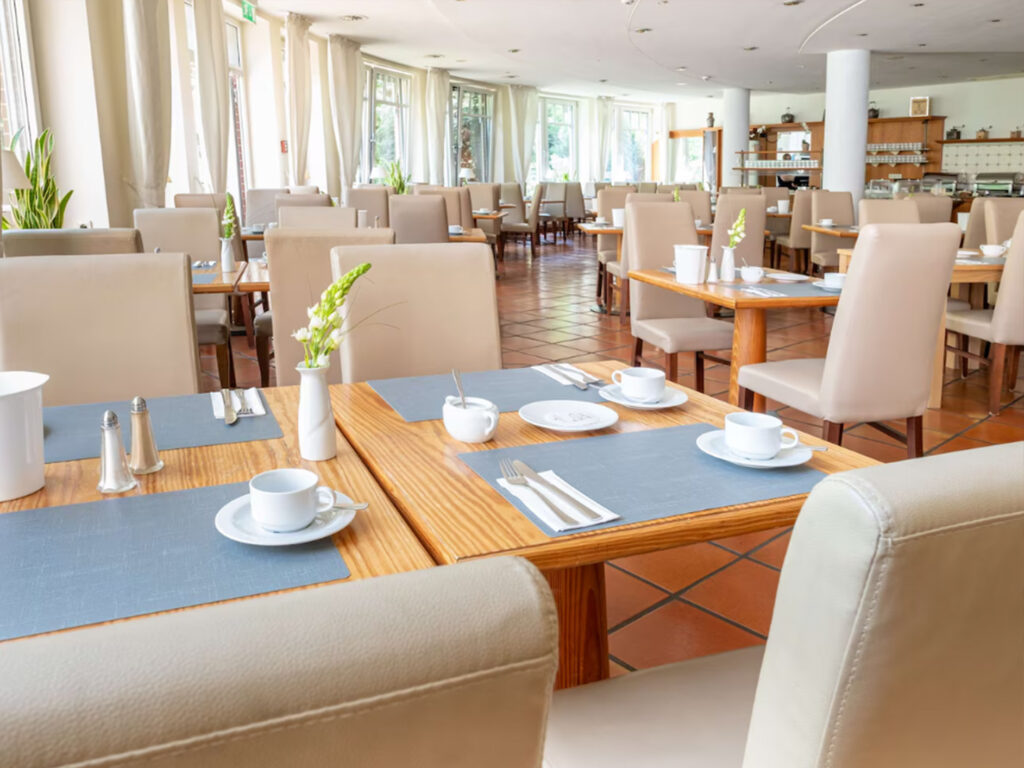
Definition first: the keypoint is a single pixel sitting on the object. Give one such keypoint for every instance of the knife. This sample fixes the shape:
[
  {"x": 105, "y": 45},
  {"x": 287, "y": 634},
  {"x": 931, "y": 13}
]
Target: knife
[
  {"x": 533, "y": 477},
  {"x": 560, "y": 376},
  {"x": 230, "y": 417},
  {"x": 571, "y": 372}
]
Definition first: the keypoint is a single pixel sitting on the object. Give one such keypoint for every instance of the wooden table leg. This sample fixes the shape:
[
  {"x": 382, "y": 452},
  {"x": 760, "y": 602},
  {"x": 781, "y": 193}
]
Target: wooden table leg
[
  {"x": 582, "y": 624},
  {"x": 247, "y": 318},
  {"x": 749, "y": 345},
  {"x": 501, "y": 245}
]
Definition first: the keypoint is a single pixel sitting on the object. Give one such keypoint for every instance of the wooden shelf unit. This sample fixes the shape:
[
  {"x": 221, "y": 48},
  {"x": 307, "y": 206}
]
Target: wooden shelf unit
[
  {"x": 979, "y": 141},
  {"x": 926, "y": 131}
]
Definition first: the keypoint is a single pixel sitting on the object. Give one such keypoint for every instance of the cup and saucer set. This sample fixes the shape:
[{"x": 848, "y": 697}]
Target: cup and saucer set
[
  {"x": 755, "y": 440},
  {"x": 642, "y": 388}
]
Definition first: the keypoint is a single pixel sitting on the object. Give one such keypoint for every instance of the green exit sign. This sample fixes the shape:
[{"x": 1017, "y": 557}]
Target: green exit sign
[{"x": 248, "y": 11}]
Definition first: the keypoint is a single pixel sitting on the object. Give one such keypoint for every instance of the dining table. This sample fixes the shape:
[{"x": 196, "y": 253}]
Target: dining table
[
  {"x": 841, "y": 231},
  {"x": 499, "y": 234},
  {"x": 458, "y": 513},
  {"x": 207, "y": 280},
  {"x": 470, "y": 235}
]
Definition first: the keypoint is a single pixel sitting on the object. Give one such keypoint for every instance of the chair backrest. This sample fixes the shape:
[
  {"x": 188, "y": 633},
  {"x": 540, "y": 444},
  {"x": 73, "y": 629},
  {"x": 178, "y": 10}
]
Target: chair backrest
[
  {"x": 647, "y": 187},
  {"x": 304, "y": 189},
  {"x": 423, "y": 668},
  {"x": 533, "y": 214},
  {"x": 639, "y": 197},
  {"x": 216, "y": 200},
  {"x": 699, "y": 201},
  {"x": 103, "y": 326},
  {"x": 293, "y": 201},
  {"x": 772, "y": 195},
  {"x": 484, "y": 196},
  {"x": 837, "y": 206},
  {"x": 512, "y": 193},
  {"x": 933, "y": 209},
  {"x": 1008, "y": 315},
  {"x": 897, "y": 634},
  {"x": 193, "y": 231},
  {"x": 574, "y": 205},
  {"x": 751, "y": 248},
  {"x": 652, "y": 229},
  {"x": 421, "y": 310},
  {"x": 888, "y": 212},
  {"x": 457, "y": 204},
  {"x": 880, "y": 352},
  {"x": 317, "y": 217},
  {"x": 70, "y": 242},
  {"x": 373, "y": 200},
  {"x": 299, "y": 264},
  {"x": 1001, "y": 217},
  {"x": 609, "y": 198},
  {"x": 801, "y": 208},
  {"x": 975, "y": 234},
  {"x": 418, "y": 218},
  {"x": 668, "y": 187},
  {"x": 741, "y": 190},
  {"x": 554, "y": 199},
  {"x": 261, "y": 205}
]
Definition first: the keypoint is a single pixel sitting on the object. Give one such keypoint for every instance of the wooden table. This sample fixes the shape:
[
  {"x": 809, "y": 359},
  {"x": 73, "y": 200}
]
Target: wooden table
[
  {"x": 224, "y": 282},
  {"x": 459, "y": 517},
  {"x": 499, "y": 235},
  {"x": 378, "y": 541},
  {"x": 604, "y": 307},
  {"x": 255, "y": 279},
  {"x": 777, "y": 215},
  {"x": 846, "y": 232},
  {"x": 750, "y": 332},
  {"x": 473, "y": 235},
  {"x": 246, "y": 237}
]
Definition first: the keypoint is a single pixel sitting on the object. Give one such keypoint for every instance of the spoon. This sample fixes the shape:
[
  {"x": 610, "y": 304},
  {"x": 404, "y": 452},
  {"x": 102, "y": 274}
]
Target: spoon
[{"x": 458, "y": 385}]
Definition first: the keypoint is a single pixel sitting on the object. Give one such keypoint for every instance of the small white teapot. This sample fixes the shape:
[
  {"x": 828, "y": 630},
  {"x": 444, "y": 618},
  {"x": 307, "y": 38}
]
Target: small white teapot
[{"x": 476, "y": 423}]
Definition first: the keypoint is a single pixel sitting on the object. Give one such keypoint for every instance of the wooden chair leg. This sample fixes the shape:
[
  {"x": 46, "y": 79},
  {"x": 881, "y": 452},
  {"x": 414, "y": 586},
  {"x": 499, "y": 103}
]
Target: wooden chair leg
[
  {"x": 671, "y": 366},
  {"x": 225, "y": 365},
  {"x": 915, "y": 446},
  {"x": 263, "y": 359},
  {"x": 964, "y": 344},
  {"x": 997, "y": 369},
  {"x": 608, "y": 278},
  {"x": 746, "y": 398},
  {"x": 831, "y": 432},
  {"x": 1012, "y": 367},
  {"x": 623, "y": 301},
  {"x": 698, "y": 371},
  {"x": 601, "y": 277},
  {"x": 638, "y": 351}
]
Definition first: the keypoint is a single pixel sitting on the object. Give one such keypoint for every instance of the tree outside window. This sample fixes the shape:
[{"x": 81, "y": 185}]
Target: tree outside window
[{"x": 471, "y": 111}]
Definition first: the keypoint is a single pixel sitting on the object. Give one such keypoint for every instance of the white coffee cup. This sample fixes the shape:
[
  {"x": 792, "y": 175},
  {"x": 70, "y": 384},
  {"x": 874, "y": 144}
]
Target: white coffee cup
[
  {"x": 691, "y": 263},
  {"x": 751, "y": 274},
  {"x": 835, "y": 280},
  {"x": 618, "y": 217},
  {"x": 600, "y": 220},
  {"x": 641, "y": 385},
  {"x": 284, "y": 500},
  {"x": 826, "y": 222},
  {"x": 992, "y": 251},
  {"x": 476, "y": 423},
  {"x": 757, "y": 435},
  {"x": 783, "y": 206},
  {"x": 698, "y": 223}
]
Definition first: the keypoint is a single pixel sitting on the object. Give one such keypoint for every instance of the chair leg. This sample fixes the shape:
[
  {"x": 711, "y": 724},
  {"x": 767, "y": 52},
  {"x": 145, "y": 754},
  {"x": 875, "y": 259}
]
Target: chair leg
[
  {"x": 671, "y": 366},
  {"x": 638, "y": 351},
  {"x": 601, "y": 277},
  {"x": 623, "y": 301},
  {"x": 915, "y": 447},
  {"x": 608, "y": 292},
  {"x": 1012, "y": 367},
  {"x": 263, "y": 359},
  {"x": 698, "y": 371},
  {"x": 997, "y": 368},
  {"x": 225, "y": 365},
  {"x": 831, "y": 432},
  {"x": 746, "y": 398},
  {"x": 964, "y": 345}
]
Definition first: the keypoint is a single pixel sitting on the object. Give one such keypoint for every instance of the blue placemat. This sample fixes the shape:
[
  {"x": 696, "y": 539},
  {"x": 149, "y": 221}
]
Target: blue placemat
[
  {"x": 788, "y": 289},
  {"x": 72, "y": 432},
  {"x": 420, "y": 398},
  {"x": 69, "y": 566},
  {"x": 203, "y": 278},
  {"x": 645, "y": 475}
]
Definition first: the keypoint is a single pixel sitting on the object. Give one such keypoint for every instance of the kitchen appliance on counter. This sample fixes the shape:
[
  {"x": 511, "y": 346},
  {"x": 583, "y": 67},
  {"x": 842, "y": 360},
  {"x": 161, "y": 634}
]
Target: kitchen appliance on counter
[
  {"x": 998, "y": 184},
  {"x": 946, "y": 181}
]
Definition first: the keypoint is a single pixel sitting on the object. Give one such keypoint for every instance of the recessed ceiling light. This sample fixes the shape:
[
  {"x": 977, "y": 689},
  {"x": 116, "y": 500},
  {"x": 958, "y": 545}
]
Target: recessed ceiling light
[
  {"x": 513, "y": 50},
  {"x": 434, "y": 56},
  {"x": 603, "y": 80},
  {"x": 995, "y": 21},
  {"x": 705, "y": 78},
  {"x": 353, "y": 17},
  {"x": 922, "y": 45},
  {"x": 862, "y": 34},
  {"x": 461, "y": 61},
  {"x": 680, "y": 69},
  {"x": 681, "y": 83},
  {"x": 750, "y": 48},
  {"x": 918, "y": 5},
  {"x": 793, "y": 2},
  {"x": 643, "y": 30},
  {"x": 982, "y": 59},
  {"x": 511, "y": 77}
]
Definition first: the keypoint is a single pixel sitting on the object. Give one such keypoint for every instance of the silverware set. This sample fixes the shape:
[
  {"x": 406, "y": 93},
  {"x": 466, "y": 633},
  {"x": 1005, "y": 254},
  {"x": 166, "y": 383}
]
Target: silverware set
[
  {"x": 517, "y": 472},
  {"x": 203, "y": 264},
  {"x": 230, "y": 414},
  {"x": 764, "y": 293},
  {"x": 567, "y": 374}
]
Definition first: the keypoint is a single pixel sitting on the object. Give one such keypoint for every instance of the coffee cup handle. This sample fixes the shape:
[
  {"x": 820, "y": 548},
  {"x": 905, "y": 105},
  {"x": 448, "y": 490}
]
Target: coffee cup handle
[
  {"x": 492, "y": 421},
  {"x": 617, "y": 377},
  {"x": 790, "y": 439},
  {"x": 325, "y": 499}
]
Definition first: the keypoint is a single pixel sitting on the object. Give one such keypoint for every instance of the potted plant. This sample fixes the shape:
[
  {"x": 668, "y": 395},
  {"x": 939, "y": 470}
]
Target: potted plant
[
  {"x": 227, "y": 234},
  {"x": 395, "y": 179},
  {"x": 737, "y": 232},
  {"x": 40, "y": 206}
]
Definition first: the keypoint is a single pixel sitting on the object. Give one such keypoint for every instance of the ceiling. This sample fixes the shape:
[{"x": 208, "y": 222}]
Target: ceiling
[{"x": 594, "y": 47}]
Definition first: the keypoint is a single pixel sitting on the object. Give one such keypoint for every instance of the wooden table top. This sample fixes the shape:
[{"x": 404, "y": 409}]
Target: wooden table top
[
  {"x": 707, "y": 230},
  {"x": 837, "y": 231},
  {"x": 506, "y": 206},
  {"x": 252, "y": 236},
  {"x": 224, "y": 282},
  {"x": 777, "y": 215},
  {"x": 980, "y": 272},
  {"x": 458, "y": 516},
  {"x": 490, "y": 216},
  {"x": 473, "y": 235},
  {"x": 255, "y": 279},
  {"x": 730, "y": 294},
  {"x": 592, "y": 228},
  {"x": 377, "y": 542}
]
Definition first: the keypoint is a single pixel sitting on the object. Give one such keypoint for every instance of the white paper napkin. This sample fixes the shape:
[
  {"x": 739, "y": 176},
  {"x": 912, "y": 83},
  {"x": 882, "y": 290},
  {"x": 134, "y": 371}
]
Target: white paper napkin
[
  {"x": 563, "y": 373},
  {"x": 252, "y": 399},
  {"x": 529, "y": 496}
]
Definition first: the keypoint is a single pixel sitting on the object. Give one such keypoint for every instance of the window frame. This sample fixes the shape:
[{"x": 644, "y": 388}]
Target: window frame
[
  {"x": 22, "y": 99},
  {"x": 617, "y": 170},
  {"x": 456, "y": 112},
  {"x": 404, "y": 124},
  {"x": 543, "y": 124}
]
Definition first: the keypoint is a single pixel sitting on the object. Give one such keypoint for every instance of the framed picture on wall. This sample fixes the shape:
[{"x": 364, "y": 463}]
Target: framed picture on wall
[{"x": 920, "y": 106}]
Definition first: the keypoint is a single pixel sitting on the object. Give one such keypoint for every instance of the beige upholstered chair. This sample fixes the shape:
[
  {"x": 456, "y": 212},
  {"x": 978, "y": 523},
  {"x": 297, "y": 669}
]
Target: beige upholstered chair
[
  {"x": 647, "y": 187},
  {"x": 70, "y": 242},
  {"x": 137, "y": 338},
  {"x": 669, "y": 321},
  {"x": 261, "y": 205},
  {"x": 317, "y": 217},
  {"x": 294, "y": 201},
  {"x": 796, "y": 245},
  {"x": 418, "y": 218},
  {"x": 608, "y": 199},
  {"x": 772, "y": 195},
  {"x": 299, "y": 264},
  {"x": 837, "y": 206},
  {"x": 512, "y": 194},
  {"x": 751, "y": 249},
  {"x": 933, "y": 209},
  {"x": 575, "y": 206},
  {"x": 553, "y": 211},
  {"x": 879, "y": 362},
  {"x": 373, "y": 200},
  {"x": 895, "y": 641},
  {"x": 975, "y": 234},
  {"x": 217, "y": 201},
  {"x": 667, "y": 187},
  {"x": 421, "y": 309},
  {"x": 903, "y": 211},
  {"x": 616, "y": 272},
  {"x": 739, "y": 190},
  {"x": 304, "y": 189},
  {"x": 457, "y": 204},
  {"x": 1002, "y": 327},
  {"x": 194, "y": 231},
  {"x": 486, "y": 197},
  {"x": 1001, "y": 215},
  {"x": 531, "y": 227},
  {"x": 699, "y": 202},
  {"x": 423, "y": 669}
]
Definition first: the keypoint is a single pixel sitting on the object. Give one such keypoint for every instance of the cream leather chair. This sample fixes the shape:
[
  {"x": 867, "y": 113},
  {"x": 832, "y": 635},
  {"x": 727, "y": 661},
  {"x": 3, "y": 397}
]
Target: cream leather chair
[
  {"x": 575, "y": 206},
  {"x": 879, "y": 362},
  {"x": 933, "y": 209},
  {"x": 138, "y": 337},
  {"x": 671, "y": 188},
  {"x": 530, "y": 228},
  {"x": 647, "y": 187},
  {"x": 903, "y": 211},
  {"x": 608, "y": 198},
  {"x": 554, "y": 209},
  {"x": 294, "y": 201},
  {"x": 975, "y": 234},
  {"x": 699, "y": 202},
  {"x": 1002, "y": 327},
  {"x": 837, "y": 206},
  {"x": 194, "y": 231},
  {"x": 797, "y": 244},
  {"x": 512, "y": 194},
  {"x": 1001, "y": 216},
  {"x": 418, "y": 218},
  {"x": 457, "y": 204},
  {"x": 317, "y": 217},
  {"x": 299, "y": 265},
  {"x": 751, "y": 248},
  {"x": 772, "y": 195},
  {"x": 669, "y": 321},
  {"x": 261, "y": 205},
  {"x": 373, "y": 200},
  {"x": 423, "y": 669},
  {"x": 486, "y": 197},
  {"x": 895, "y": 641},
  {"x": 433, "y": 308},
  {"x": 70, "y": 242},
  {"x": 616, "y": 272},
  {"x": 304, "y": 189},
  {"x": 217, "y": 201}
]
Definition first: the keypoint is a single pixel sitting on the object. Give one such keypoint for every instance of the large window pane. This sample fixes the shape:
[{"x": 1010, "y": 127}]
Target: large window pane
[
  {"x": 387, "y": 116},
  {"x": 632, "y": 154},
  {"x": 471, "y": 131},
  {"x": 16, "y": 97},
  {"x": 557, "y": 132}
]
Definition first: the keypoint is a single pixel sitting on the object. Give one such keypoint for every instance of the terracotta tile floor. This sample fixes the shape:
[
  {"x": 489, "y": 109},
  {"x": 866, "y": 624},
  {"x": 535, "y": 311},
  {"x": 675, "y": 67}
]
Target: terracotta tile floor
[{"x": 704, "y": 598}]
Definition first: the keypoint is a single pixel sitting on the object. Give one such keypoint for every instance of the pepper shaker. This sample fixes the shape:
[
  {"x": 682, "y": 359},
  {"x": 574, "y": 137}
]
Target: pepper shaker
[{"x": 145, "y": 456}]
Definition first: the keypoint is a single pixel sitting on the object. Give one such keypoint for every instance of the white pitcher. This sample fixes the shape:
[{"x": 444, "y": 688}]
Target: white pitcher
[
  {"x": 691, "y": 262},
  {"x": 21, "y": 433}
]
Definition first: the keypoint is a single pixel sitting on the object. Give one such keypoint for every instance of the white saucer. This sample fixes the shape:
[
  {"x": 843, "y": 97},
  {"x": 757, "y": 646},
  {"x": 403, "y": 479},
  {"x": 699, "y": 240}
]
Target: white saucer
[
  {"x": 670, "y": 399},
  {"x": 823, "y": 224},
  {"x": 787, "y": 277},
  {"x": 568, "y": 415},
  {"x": 234, "y": 521},
  {"x": 713, "y": 444},
  {"x": 821, "y": 284},
  {"x": 968, "y": 253}
]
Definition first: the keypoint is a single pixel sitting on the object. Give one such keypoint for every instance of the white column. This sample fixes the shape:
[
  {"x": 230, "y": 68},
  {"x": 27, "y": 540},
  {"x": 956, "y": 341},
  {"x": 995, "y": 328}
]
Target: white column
[
  {"x": 735, "y": 129},
  {"x": 846, "y": 121}
]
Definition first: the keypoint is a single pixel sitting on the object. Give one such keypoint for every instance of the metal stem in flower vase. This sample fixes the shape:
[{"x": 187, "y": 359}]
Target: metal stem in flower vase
[
  {"x": 145, "y": 456},
  {"x": 115, "y": 476}
]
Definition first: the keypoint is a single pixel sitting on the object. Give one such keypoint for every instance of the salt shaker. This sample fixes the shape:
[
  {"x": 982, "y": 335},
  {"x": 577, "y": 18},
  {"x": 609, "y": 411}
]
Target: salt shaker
[
  {"x": 145, "y": 457},
  {"x": 115, "y": 477}
]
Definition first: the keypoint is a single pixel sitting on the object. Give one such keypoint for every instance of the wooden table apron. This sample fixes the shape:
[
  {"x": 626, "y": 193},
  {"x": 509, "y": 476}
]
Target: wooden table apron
[
  {"x": 750, "y": 331},
  {"x": 458, "y": 516}
]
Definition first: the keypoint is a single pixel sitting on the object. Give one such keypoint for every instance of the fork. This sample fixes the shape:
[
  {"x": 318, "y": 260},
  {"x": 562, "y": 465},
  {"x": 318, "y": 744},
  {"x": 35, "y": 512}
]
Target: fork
[
  {"x": 572, "y": 372},
  {"x": 513, "y": 477},
  {"x": 244, "y": 409}
]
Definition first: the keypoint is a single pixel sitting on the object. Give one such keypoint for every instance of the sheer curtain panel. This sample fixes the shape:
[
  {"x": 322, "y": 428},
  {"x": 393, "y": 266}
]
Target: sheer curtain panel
[
  {"x": 523, "y": 106},
  {"x": 214, "y": 98},
  {"x": 439, "y": 96},
  {"x": 347, "y": 80},
  {"x": 603, "y": 109},
  {"x": 296, "y": 31}
]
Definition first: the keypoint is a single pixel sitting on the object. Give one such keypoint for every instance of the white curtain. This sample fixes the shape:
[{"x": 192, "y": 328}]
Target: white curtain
[
  {"x": 296, "y": 31},
  {"x": 603, "y": 122},
  {"x": 418, "y": 166},
  {"x": 214, "y": 96},
  {"x": 347, "y": 105},
  {"x": 523, "y": 107},
  {"x": 666, "y": 155},
  {"x": 331, "y": 157},
  {"x": 438, "y": 97}
]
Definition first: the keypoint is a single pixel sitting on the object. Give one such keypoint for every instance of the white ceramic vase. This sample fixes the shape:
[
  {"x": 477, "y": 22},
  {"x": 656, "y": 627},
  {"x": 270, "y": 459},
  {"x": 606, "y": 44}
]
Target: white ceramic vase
[
  {"x": 21, "y": 433},
  {"x": 227, "y": 255},
  {"x": 317, "y": 440},
  {"x": 728, "y": 271}
]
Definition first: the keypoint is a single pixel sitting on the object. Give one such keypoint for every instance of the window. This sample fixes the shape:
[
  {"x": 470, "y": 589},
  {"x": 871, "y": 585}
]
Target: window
[
  {"x": 557, "y": 139},
  {"x": 631, "y": 158},
  {"x": 386, "y": 119},
  {"x": 471, "y": 111},
  {"x": 17, "y": 99},
  {"x": 688, "y": 159}
]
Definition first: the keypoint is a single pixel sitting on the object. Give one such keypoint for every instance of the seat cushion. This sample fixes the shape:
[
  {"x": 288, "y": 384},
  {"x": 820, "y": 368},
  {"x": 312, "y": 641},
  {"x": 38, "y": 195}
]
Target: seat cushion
[
  {"x": 693, "y": 714},
  {"x": 825, "y": 258},
  {"x": 973, "y": 322},
  {"x": 264, "y": 324},
  {"x": 796, "y": 383},
  {"x": 614, "y": 267},
  {"x": 606, "y": 257},
  {"x": 521, "y": 226},
  {"x": 212, "y": 326},
  {"x": 684, "y": 334}
]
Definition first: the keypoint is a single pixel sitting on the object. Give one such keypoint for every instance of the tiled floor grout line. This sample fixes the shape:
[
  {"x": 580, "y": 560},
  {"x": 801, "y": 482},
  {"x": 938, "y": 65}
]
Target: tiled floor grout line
[
  {"x": 621, "y": 663},
  {"x": 686, "y": 601}
]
